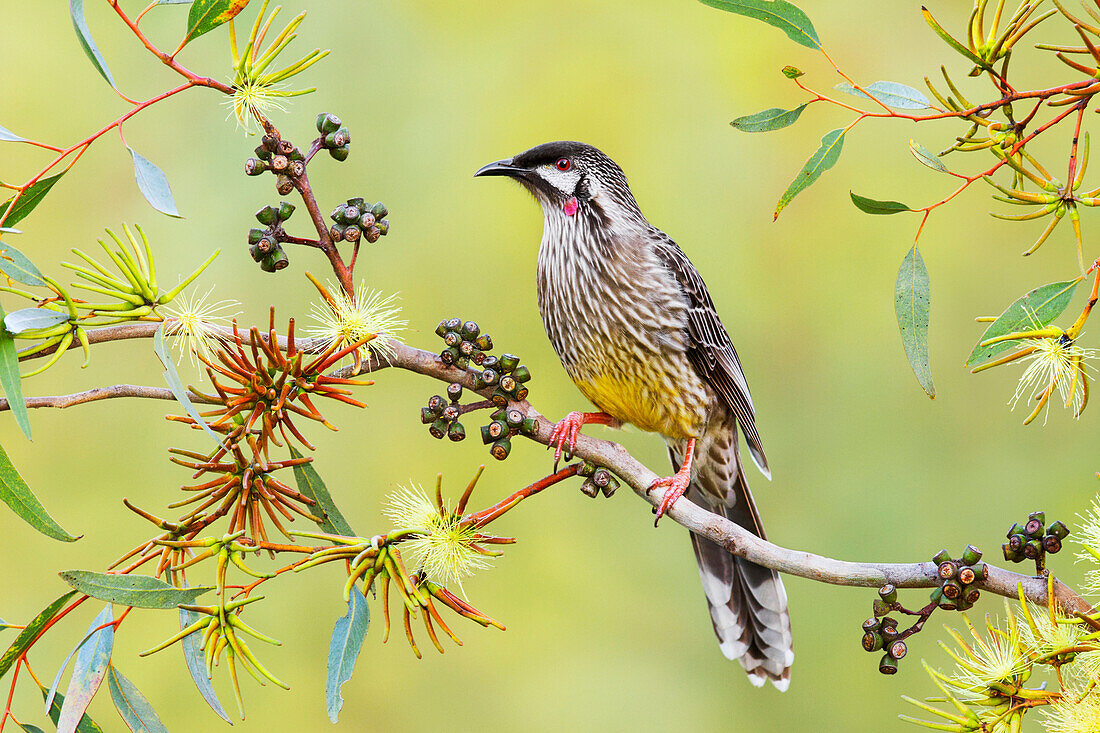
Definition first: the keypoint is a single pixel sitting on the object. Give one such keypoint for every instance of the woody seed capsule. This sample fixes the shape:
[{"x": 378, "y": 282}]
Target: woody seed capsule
[
  {"x": 456, "y": 432},
  {"x": 966, "y": 576},
  {"x": 284, "y": 184},
  {"x": 872, "y": 642},
  {"x": 436, "y": 403},
  {"x": 501, "y": 449},
  {"x": 898, "y": 649},
  {"x": 454, "y": 391},
  {"x": 438, "y": 428}
]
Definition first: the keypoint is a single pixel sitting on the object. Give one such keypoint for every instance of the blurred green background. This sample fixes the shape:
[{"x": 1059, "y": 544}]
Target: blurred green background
[{"x": 607, "y": 628}]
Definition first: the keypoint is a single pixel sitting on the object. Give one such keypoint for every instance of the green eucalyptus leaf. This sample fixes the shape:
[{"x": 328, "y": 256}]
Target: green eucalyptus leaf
[
  {"x": 206, "y": 15},
  {"x": 311, "y": 485},
  {"x": 17, "y": 266},
  {"x": 9, "y": 136},
  {"x": 76, "y": 10},
  {"x": 890, "y": 93},
  {"x": 926, "y": 156},
  {"x": 12, "y": 384},
  {"x": 873, "y": 206},
  {"x": 792, "y": 72},
  {"x": 26, "y": 203},
  {"x": 769, "y": 119},
  {"x": 154, "y": 185},
  {"x": 172, "y": 377},
  {"x": 778, "y": 13},
  {"x": 29, "y": 728},
  {"x": 29, "y": 634},
  {"x": 822, "y": 160},
  {"x": 947, "y": 38},
  {"x": 141, "y": 591},
  {"x": 16, "y": 494},
  {"x": 135, "y": 710},
  {"x": 912, "y": 303},
  {"x": 196, "y": 665},
  {"x": 31, "y": 319},
  {"x": 1035, "y": 309},
  {"x": 343, "y": 650},
  {"x": 88, "y": 672},
  {"x": 86, "y": 724}
]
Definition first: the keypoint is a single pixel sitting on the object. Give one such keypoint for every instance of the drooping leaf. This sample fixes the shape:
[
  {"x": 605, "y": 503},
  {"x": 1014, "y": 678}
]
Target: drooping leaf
[
  {"x": 777, "y": 13},
  {"x": 966, "y": 52},
  {"x": 175, "y": 384},
  {"x": 206, "y": 15},
  {"x": 926, "y": 156},
  {"x": 86, "y": 724},
  {"x": 768, "y": 120},
  {"x": 822, "y": 160},
  {"x": 311, "y": 485},
  {"x": 1035, "y": 309},
  {"x": 16, "y": 494},
  {"x": 30, "y": 319},
  {"x": 873, "y": 206},
  {"x": 890, "y": 93},
  {"x": 26, "y": 203},
  {"x": 17, "y": 266},
  {"x": 28, "y": 635},
  {"x": 12, "y": 384},
  {"x": 76, "y": 10},
  {"x": 88, "y": 671},
  {"x": 343, "y": 650},
  {"x": 792, "y": 72},
  {"x": 154, "y": 185},
  {"x": 142, "y": 591},
  {"x": 197, "y": 666},
  {"x": 912, "y": 302},
  {"x": 29, "y": 728},
  {"x": 9, "y": 136},
  {"x": 135, "y": 710}
]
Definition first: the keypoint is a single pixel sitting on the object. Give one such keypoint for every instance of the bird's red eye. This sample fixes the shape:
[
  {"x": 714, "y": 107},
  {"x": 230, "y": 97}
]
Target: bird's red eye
[{"x": 563, "y": 164}]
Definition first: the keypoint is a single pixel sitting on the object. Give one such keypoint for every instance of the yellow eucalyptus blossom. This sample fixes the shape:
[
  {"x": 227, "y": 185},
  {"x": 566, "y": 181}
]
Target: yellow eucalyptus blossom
[
  {"x": 1078, "y": 711},
  {"x": 994, "y": 662},
  {"x": 343, "y": 320},
  {"x": 1055, "y": 364},
  {"x": 193, "y": 324}
]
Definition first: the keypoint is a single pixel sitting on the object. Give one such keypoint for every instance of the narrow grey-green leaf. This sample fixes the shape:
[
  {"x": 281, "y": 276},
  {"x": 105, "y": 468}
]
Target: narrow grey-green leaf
[
  {"x": 28, "y": 728},
  {"x": 26, "y": 203},
  {"x": 28, "y": 635},
  {"x": 16, "y": 494},
  {"x": 778, "y": 13},
  {"x": 9, "y": 136},
  {"x": 12, "y": 384},
  {"x": 172, "y": 377},
  {"x": 874, "y": 206},
  {"x": 343, "y": 650},
  {"x": 822, "y": 160},
  {"x": 142, "y": 591},
  {"x": 92, "y": 630},
  {"x": 30, "y": 319},
  {"x": 135, "y": 710},
  {"x": 88, "y": 671},
  {"x": 890, "y": 93},
  {"x": 18, "y": 267},
  {"x": 76, "y": 10},
  {"x": 768, "y": 120},
  {"x": 912, "y": 303},
  {"x": 311, "y": 485},
  {"x": 197, "y": 666},
  {"x": 154, "y": 185},
  {"x": 926, "y": 156},
  {"x": 86, "y": 724},
  {"x": 1035, "y": 309}
]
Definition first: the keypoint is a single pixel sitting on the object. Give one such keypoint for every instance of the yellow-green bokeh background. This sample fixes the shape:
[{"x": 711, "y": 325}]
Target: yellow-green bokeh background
[{"x": 607, "y": 627}]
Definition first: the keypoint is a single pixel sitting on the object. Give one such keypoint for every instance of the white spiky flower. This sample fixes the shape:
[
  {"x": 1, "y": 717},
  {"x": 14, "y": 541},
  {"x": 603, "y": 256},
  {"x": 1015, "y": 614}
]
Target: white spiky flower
[
  {"x": 1078, "y": 711},
  {"x": 343, "y": 320},
  {"x": 443, "y": 548},
  {"x": 1055, "y": 364},
  {"x": 999, "y": 657},
  {"x": 193, "y": 324}
]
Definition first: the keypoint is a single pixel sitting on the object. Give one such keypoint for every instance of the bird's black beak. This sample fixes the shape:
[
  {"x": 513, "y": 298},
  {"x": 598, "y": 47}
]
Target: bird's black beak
[{"x": 502, "y": 168}]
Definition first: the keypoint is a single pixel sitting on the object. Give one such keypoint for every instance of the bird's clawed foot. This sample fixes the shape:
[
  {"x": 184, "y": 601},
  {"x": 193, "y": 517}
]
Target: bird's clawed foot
[
  {"x": 677, "y": 483},
  {"x": 567, "y": 429}
]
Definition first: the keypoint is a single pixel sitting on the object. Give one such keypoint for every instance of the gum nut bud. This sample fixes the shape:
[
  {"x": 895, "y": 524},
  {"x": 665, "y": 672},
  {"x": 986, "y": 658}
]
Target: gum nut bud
[
  {"x": 336, "y": 139},
  {"x": 479, "y": 383},
  {"x": 501, "y": 449},
  {"x": 947, "y": 569},
  {"x": 441, "y": 329},
  {"x": 889, "y": 632},
  {"x": 498, "y": 429},
  {"x": 451, "y": 338},
  {"x": 611, "y": 488},
  {"x": 254, "y": 251},
  {"x": 936, "y": 596},
  {"x": 490, "y": 376},
  {"x": 254, "y": 235},
  {"x": 1010, "y": 554},
  {"x": 383, "y": 227},
  {"x": 366, "y": 221},
  {"x": 358, "y": 202},
  {"x": 436, "y": 403},
  {"x": 981, "y": 571},
  {"x": 971, "y": 555},
  {"x": 1033, "y": 549},
  {"x": 1052, "y": 544},
  {"x": 283, "y": 185},
  {"x": 351, "y": 214},
  {"x": 267, "y": 244},
  {"x": 941, "y": 557},
  {"x": 484, "y": 342},
  {"x": 888, "y": 665},
  {"x": 888, "y": 593},
  {"x": 296, "y": 168},
  {"x": 491, "y": 362},
  {"x": 948, "y": 605},
  {"x": 328, "y": 122},
  {"x": 1034, "y": 527},
  {"x": 500, "y": 399},
  {"x": 498, "y": 414},
  {"x": 286, "y": 210},
  {"x": 467, "y": 348},
  {"x": 340, "y": 154},
  {"x": 456, "y": 432},
  {"x": 462, "y": 361},
  {"x": 952, "y": 589},
  {"x": 880, "y": 607},
  {"x": 972, "y": 596},
  {"x": 352, "y": 233},
  {"x": 872, "y": 642},
  {"x": 372, "y": 235},
  {"x": 478, "y": 357},
  {"x": 1039, "y": 515},
  {"x": 270, "y": 142},
  {"x": 486, "y": 438},
  {"x": 450, "y": 413},
  {"x": 871, "y": 624},
  {"x": 898, "y": 649},
  {"x": 448, "y": 356},
  {"x": 967, "y": 575},
  {"x": 454, "y": 391},
  {"x": 279, "y": 163},
  {"x": 454, "y": 324},
  {"x": 295, "y": 154},
  {"x": 1016, "y": 529},
  {"x": 602, "y": 477},
  {"x": 470, "y": 330},
  {"x": 590, "y": 489},
  {"x": 268, "y": 215},
  {"x": 522, "y": 374},
  {"x": 508, "y": 383},
  {"x": 508, "y": 362},
  {"x": 284, "y": 147},
  {"x": 336, "y": 232},
  {"x": 438, "y": 428},
  {"x": 279, "y": 258},
  {"x": 267, "y": 264},
  {"x": 1016, "y": 542},
  {"x": 426, "y": 415},
  {"x": 1059, "y": 530},
  {"x": 521, "y": 393},
  {"x": 379, "y": 210},
  {"x": 530, "y": 426},
  {"x": 514, "y": 419},
  {"x": 254, "y": 167},
  {"x": 262, "y": 153}
]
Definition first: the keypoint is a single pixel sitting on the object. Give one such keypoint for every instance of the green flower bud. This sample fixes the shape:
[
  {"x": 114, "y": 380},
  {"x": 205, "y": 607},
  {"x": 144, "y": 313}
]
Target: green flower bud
[
  {"x": 489, "y": 376},
  {"x": 283, "y": 184},
  {"x": 508, "y": 383},
  {"x": 486, "y": 438},
  {"x": 438, "y": 428},
  {"x": 254, "y": 235},
  {"x": 286, "y": 210},
  {"x": 611, "y": 488},
  {"x": 1059, "y": 530},
  {"x": 1016, "y": 529},
  {"x": 1011, "y": 555},
  {"x": 941, "y": 557},
  {"x": 888, "y": 593},
  {"x": 508, "y": 362},
  {"x": 383, "y": 227},
  {"x": 456, "y": 432},
  {"x": 981, "y": 571},
  {"x": 285, "y": 147},
  {"x": 279, "y": 163},
  {"x": 880, "y": 607},
  {"x": 470, "y": 330},
  {"x": 340, "y": 154},
  {"x": 484, "y": 342},
  {"x": 254, "y": 167},
  {"x": 372, "y": 235},
  {"x": 336, "y": 232},
  {"x": 972, "y": 596},
  {"x": 498, "y": 429},
  {"x": 467, "y": 348},
  {"x": 872, "y": 642},
  {"x": 889, "y": 631},
  {"x": 426, "y": 415},
  {"x": 1034, "y": 526},
  {"x": 952, "y": 590},
  {"x": 254, "y": 251},
  {"x": 441, "y": 329},
  {"x": 278, "y": 258},
  {"x": 499, "y": 398},
  {"x": 530, "y": 426},
  {"x": 454, "y": 324},
  {"x": 501, "y": 449},
  {"x": 358, "y": 202},
  {"x": 270, "y": 142},
  {"x": 521, "y": 394},
  {"x": 601, "y": 477},
  {"x": 337, "y": 139},
  {"x": 268, "y": 215},
  {"x": 380, "y": 211},
  {"x": 328, "y": 122},
  {"x": 1016, "y": 542},
  {"x": 888, "y": 665},
  {"x": 1033, "y": 549},
  {"x": 267, "y": 244},
  {"x": 971, "y": 555},
  {"x": 490, "y": 362},
  {"x": 262, "y": 153},
  {"x": 522, "y": 374}
]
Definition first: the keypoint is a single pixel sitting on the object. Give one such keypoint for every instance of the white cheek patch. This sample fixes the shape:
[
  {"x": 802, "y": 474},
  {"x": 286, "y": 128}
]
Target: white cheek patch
[{"x": 564, "y": 181}]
